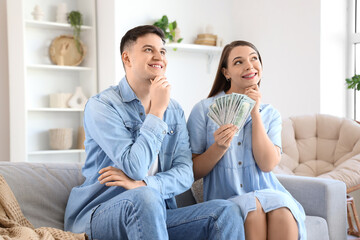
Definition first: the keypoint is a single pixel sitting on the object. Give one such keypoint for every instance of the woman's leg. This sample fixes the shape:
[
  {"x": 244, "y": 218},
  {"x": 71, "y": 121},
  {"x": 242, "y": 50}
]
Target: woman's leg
[
  {"x": 281, "y": 225},
  {"x": 255, "y": 224}
]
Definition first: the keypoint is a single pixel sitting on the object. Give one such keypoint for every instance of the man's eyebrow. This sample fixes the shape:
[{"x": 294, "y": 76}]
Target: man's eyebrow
[
  {"x": 151, "y": 46},
  {"x": 147, "y": 45},
  {"x": 239, "y": 57}
]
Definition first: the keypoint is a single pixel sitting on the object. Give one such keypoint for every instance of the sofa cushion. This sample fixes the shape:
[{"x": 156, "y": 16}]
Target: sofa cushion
[{"x": 42, "y": 190}]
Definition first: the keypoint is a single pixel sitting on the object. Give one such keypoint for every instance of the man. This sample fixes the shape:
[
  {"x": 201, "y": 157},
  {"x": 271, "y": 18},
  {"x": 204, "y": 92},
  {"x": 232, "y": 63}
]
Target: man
[{"x": 139, "y": 159}]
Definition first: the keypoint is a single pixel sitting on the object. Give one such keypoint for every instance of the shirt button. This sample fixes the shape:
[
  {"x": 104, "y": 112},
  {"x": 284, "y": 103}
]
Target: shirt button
[
  {"x": 241, "y": 185},
  {"x": 171, "y": 131},
  {"x": 240, "y": 163},
  {"x": 239, "y": 143},
  {"x": 141, "y": 114},
  {"x": 164, "y": 132}
]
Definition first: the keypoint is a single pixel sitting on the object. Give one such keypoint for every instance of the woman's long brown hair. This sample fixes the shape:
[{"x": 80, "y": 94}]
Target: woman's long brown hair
[{"x": 220, "y": 82}]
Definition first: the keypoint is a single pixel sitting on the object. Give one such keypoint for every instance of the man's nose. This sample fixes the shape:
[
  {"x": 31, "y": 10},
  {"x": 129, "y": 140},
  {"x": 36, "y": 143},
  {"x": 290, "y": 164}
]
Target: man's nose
[{"x": 157, "y": 55}]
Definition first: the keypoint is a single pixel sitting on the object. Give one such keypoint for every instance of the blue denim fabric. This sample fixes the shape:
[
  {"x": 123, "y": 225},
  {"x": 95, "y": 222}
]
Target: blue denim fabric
[
  {"x": 119, "y": 134},
  {"x": 237, "y": 176},
  {"x": 141, "y": 214}
]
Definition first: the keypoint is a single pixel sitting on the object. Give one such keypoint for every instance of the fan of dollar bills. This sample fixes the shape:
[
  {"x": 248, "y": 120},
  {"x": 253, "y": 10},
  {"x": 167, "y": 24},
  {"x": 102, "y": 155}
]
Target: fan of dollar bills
[{"x": 231, "y": 108}]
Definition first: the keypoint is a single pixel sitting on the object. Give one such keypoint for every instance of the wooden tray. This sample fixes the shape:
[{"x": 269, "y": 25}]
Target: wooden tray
[{"x": 63, "y": 51}]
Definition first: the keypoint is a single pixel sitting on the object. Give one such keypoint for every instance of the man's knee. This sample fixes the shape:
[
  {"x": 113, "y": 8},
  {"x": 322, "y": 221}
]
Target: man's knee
[{"x": 146, "y": 196}]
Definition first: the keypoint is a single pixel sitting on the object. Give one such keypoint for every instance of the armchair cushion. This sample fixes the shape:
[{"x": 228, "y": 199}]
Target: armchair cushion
[{"x": 321, "y": 146}]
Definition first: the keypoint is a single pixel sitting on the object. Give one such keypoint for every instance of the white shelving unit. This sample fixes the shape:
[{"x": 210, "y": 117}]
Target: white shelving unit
[{"x": 33, "y": 77}]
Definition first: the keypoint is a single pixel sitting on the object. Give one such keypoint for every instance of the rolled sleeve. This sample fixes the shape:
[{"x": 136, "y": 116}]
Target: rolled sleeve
[
  {"x": 156, "y": 126},
  {"x": 274, "y": 131}
]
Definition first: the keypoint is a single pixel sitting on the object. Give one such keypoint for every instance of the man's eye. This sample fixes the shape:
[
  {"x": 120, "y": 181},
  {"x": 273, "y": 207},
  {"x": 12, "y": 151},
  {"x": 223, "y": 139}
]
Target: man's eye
[
  {"x": 148, "y": 50},
  {"x": 163, "y": 53}
]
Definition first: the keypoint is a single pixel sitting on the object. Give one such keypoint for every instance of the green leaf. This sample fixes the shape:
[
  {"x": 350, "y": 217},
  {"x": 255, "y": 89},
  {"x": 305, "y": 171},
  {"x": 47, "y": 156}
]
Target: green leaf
[
  {"x": 165, "y": 20},
  {"x": 358, "y": 87},
  {"x": 171, "y": 28},
  {"x": 179, "y": 40},
  {"x": 174, "y": 24}
]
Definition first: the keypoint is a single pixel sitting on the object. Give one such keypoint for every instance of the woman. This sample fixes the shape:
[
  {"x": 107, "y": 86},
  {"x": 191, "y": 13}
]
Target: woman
[{"x": 239, "y": 167}]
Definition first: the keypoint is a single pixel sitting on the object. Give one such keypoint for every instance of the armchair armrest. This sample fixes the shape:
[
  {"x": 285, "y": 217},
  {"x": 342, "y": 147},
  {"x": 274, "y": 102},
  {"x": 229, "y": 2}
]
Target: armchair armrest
[{"x": 320, "y": 197}]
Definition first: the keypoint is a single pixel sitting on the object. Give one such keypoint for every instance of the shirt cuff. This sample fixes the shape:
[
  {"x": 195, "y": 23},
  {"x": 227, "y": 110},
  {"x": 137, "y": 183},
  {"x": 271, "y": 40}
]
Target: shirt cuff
[
  {"x": 155, "y": 125},
  {"x": 152, "y": 182}
]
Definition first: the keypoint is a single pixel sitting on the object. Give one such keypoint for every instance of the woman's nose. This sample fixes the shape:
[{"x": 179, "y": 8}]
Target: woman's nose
[{"x": 249, "y": 66}]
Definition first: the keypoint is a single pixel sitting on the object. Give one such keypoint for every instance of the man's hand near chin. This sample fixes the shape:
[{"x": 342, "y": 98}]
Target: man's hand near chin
[{"x": 112, "y": 176}]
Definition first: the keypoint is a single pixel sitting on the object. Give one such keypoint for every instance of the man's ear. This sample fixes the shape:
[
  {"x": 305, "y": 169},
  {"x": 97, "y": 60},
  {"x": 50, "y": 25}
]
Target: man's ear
[
  {"x": 225, "y": 73},
  {"x": 126, "y": 58}
]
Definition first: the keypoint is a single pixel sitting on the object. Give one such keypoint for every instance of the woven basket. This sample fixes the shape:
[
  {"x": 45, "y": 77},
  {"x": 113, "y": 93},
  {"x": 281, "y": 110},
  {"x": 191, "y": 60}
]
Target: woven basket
[{"x": 60, "y": 138}]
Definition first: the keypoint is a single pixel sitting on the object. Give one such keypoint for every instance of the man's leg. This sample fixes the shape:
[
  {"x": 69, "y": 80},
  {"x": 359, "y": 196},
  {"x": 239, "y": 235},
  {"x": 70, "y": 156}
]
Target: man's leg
[
  {"x": 134, "y": 214},
  {"x": 216, "y": 219}
]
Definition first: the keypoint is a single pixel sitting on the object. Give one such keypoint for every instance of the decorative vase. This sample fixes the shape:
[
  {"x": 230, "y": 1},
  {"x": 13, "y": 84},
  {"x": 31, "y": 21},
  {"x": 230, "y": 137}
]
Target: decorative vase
[
  {"x": 61, "y": 12},
  {"x": 38, "y": 13},
  {"x": 60, "y": 138},
  {"x": 78, "y": 100}
]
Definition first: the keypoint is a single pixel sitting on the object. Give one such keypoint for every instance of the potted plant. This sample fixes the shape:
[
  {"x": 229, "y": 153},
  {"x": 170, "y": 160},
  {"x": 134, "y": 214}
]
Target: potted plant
[
  {"x": 354, "y": 83},
  {"x": 75, "y": 19},
  {"x": 169, "y": 29}
]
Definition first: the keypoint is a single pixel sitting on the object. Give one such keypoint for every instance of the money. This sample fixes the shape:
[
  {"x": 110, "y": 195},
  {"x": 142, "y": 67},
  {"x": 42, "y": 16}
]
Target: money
[{"x": 231, "y": 109}]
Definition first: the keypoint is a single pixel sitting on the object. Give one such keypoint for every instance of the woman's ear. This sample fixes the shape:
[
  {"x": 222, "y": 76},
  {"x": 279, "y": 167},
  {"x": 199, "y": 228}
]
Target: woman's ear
[
  {"x": 126, "y": 59},
  {"x": 225, "y": 73}
]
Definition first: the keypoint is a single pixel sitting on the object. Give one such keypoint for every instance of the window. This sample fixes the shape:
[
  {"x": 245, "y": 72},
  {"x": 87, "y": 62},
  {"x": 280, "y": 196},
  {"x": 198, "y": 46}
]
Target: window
[{"x": 354, "y": 53}]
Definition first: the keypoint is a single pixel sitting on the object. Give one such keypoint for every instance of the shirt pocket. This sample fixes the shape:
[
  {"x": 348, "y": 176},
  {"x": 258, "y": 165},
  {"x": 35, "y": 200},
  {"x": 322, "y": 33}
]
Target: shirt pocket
[{"x": 171, "y": 139}]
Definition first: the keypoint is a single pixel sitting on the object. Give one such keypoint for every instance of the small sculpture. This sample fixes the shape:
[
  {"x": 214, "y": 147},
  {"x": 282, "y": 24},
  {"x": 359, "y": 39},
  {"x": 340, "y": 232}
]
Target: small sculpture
[
  {"x": 78, "y": 100},
  {"x": 38, "y": 13}
]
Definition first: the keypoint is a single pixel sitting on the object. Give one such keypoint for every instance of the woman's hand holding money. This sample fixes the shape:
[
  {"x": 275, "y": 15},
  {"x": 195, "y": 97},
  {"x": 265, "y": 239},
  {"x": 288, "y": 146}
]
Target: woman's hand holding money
[{"x": 224, "y": 135}]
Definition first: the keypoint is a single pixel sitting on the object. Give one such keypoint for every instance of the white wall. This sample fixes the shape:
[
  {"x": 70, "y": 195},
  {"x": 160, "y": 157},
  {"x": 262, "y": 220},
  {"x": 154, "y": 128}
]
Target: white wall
[
  {"x": 287, "y": 34},
  {"x": 4, "y": 87},
  {"x": 298, "y": 41},
  {"x": 186, "y": 72},
  {"x": 333, "y": 47}
]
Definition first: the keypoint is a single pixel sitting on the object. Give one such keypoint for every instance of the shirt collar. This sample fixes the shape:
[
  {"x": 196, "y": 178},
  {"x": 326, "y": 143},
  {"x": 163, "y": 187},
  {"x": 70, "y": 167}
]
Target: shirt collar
[{"x": 126, "y": 92}]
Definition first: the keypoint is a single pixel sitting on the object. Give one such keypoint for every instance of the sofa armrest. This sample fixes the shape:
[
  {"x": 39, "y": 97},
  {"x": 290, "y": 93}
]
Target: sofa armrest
[{"x": 321, "y": 197}]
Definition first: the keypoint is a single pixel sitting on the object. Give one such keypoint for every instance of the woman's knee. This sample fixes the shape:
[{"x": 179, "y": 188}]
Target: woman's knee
[{"x": 282, "y": 216}]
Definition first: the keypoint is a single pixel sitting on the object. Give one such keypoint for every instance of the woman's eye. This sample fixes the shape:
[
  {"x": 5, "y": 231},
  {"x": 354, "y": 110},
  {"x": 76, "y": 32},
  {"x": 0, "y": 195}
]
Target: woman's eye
[
  {"x": 163, "y": 53},
  {"x": 238, "y": 62},
  {"x": 255, "y": 58}
]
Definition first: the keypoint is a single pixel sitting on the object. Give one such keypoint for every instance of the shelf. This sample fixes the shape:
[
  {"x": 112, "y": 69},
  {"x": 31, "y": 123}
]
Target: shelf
[
  {"x": 195, "y": 48},
  {"x": 55, "y": 110},
  {"x": 52, "y": 25},
  {"x": 70, "y": 151},
  {"x": 211, "y": 51},
  {"x": 57, "y": 67}
]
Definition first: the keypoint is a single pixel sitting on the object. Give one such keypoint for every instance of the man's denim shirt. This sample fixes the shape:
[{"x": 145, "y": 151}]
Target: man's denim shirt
[{"x": 119, "y": 134}]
